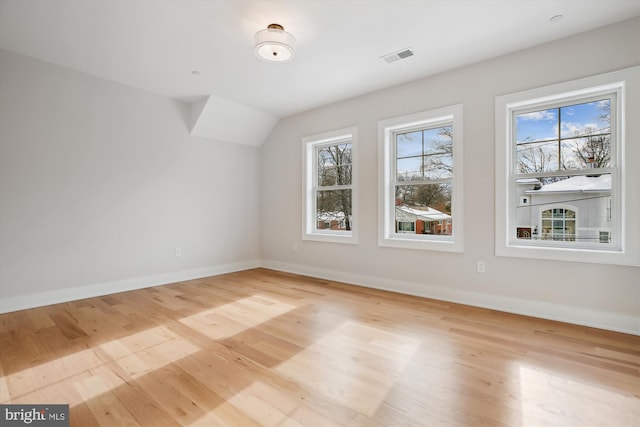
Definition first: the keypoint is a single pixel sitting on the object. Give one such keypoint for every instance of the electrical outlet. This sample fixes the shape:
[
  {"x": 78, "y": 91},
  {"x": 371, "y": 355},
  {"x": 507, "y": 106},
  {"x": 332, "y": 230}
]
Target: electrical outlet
[
  {"x": 295, "y": 248},
  {"x": 178, "y": 252},
  {"x": 480, "y": 267}
]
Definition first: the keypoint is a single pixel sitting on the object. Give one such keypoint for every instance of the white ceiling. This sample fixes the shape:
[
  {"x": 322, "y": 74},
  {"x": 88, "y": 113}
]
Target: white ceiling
[{"x": 155, "y": 45}]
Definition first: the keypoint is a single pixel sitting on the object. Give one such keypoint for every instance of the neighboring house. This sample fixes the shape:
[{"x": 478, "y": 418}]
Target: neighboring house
[
  {"x": 333, "y": 221},
  {"x": 422, "y": 220},
  {"x": 573, "y": 209}
]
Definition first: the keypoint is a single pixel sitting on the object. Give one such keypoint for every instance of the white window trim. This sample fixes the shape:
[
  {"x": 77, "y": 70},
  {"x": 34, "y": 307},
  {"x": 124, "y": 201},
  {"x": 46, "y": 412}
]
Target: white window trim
[
  {"x": 309, "y": 229},
  {"x": 627, "y": 84},
  {"x": 387, "y": 237}
]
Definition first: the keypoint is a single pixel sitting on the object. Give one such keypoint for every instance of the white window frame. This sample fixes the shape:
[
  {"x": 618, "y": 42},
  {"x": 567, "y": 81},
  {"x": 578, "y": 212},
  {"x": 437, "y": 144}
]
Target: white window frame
[
  {"x": 625, "y": 84},
  {"x": 387, "y": 129},
  {"x": 310, "y": 143}
]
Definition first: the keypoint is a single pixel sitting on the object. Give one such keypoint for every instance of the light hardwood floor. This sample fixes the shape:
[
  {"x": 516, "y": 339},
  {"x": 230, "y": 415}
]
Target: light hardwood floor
[{"x": 266, "y": 348}]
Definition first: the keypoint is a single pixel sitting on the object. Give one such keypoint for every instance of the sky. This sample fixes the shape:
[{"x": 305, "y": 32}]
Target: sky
[{"x": 543, "y": 124}]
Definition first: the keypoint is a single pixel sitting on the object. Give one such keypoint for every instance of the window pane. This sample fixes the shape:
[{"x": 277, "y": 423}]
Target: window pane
[
  {"x": 438, "y": 166},
  {"x": 333, "y": 210},
  {"x": 344, "y": 175},
  {"x": 428, "y": 206},
  {"x": 327, "y": 176},
  {"x": 334, "y": 165},
  {"x": 537, "y": 126},
  {"x": 586, "y": 134},
  {"x": 409, "y": 144},
  {"x": 438, "y": 140},
  {"x": 409, "y": 169},
  {"x": 537, "y": 157},
  {"x": 585, "y": 119},
  {"x": 568, "y": 208},
  {"x": 588, "y": 152},
  {"x": 326, "y": 157}
]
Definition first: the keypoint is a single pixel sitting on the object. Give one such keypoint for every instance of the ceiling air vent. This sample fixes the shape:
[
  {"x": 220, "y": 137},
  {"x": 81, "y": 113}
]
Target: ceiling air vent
[{"x": 395, "y": 56}]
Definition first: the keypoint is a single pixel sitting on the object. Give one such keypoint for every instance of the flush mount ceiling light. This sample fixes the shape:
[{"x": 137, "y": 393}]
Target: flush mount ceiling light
[{"x": 274, "y": 44}]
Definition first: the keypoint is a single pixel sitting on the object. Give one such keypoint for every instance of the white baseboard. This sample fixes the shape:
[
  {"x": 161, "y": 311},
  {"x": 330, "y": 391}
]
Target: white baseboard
[
  {"x": 563, "y": 313},
  {"x": 22, "y": 302}
]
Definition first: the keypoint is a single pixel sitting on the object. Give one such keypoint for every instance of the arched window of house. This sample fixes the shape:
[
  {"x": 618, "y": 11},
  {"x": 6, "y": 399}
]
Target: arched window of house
[{"x": 559, "y": 224}]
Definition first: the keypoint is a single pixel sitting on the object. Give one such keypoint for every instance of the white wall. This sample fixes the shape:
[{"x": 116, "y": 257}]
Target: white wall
[
  {"x": 99, "y": 183},
  {"x": 593, "y": 294}
]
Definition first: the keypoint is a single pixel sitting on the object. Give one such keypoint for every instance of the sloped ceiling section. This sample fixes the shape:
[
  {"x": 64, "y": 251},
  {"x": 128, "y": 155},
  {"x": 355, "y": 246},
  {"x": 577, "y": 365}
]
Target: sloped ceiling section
[{"x": 227, "y": 121}]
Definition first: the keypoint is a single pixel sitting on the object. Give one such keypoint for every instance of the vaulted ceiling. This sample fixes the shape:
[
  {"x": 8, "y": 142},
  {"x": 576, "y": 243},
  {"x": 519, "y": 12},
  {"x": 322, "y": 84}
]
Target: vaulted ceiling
[{"x": 202, "y": 51}]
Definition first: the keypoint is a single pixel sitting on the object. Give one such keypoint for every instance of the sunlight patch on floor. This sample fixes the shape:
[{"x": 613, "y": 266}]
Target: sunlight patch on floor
[
  {"x": 353, "y": 361},
  {"x": 264, "y": 403},
  {"x": 52, "y": 373},
  {"x": 230, "y": 319},
  {"x": 137, "y": 354},
  {"x": 92, "y": 387},
  {"x": 548, "y": 398},
  {"x": 149, "y": 350},
  {"x": 270, "y": 407}
]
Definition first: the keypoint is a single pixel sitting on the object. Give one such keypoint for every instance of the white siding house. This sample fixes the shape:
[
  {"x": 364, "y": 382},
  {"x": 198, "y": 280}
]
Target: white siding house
[{"x": 572, "y": 209}]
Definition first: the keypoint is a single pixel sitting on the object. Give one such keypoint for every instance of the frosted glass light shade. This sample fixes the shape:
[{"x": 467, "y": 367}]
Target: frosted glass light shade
[{"x": 273, "y": 44}]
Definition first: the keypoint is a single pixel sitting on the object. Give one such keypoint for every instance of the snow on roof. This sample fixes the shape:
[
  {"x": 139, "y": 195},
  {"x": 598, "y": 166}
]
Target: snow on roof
[
  {"x": 330, "y": 216},
  {"x": 583, "y": 183},
  {"x": 405, "y": 213},
  {"x": 528, "y": 181}
]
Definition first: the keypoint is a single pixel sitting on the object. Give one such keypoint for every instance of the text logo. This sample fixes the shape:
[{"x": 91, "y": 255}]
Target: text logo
[{"x": 34, "y": 415}]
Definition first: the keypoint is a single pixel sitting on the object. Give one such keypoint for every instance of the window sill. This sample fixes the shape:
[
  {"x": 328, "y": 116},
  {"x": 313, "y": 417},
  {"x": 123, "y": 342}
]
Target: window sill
[
  {"x": 349, "y": 239},
  {"x": 592, "y": 256},
  {"x": 421, "y": 244}
]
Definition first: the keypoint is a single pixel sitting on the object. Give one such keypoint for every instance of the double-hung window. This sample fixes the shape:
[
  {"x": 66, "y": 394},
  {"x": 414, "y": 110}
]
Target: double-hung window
[
  {"x": 421, "y": 180},
  {"x": 565, "y": 178},
  {"x": 329, "y": 212}
]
